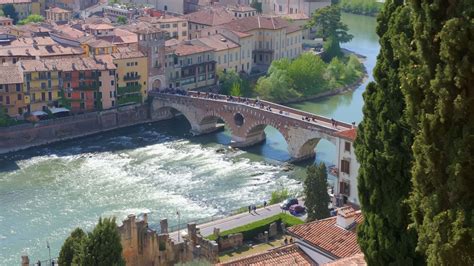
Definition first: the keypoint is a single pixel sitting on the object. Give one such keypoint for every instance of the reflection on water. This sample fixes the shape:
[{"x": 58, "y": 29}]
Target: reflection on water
[{"x": 46, "y": 192}]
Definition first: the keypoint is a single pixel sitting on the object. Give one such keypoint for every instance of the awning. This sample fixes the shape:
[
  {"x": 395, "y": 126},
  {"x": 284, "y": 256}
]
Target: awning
[
  {"x": 39, "y": 113},
  {"x": 55, "y": 110}
]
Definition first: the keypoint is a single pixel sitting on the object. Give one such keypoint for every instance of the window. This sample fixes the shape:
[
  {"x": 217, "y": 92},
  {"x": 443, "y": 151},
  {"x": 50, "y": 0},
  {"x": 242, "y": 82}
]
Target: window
[
  {"x": 82, "y": 96},
  {"x": 7, "y": 99},
  {"x": 43, "y": 85},
  {"x": 19, "y": 97},
  {"x": 43, "y": 96},
  {"x": 347, "y": 146},
  {"x": 18, "y": 87},
  {"x": 50, "y": 96},
  {"x": 345, "y": 166},
  {"x": 112, "y": 82}
]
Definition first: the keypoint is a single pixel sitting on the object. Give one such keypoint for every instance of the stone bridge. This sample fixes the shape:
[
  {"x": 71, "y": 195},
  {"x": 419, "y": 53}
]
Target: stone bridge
[{"x": 247, "y": 120}]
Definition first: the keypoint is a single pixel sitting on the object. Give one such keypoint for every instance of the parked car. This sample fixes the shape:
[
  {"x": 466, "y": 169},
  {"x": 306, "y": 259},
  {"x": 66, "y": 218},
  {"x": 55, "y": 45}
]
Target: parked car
[
  {"x": 285, "y": 205},
  {"x": 297, "y": 209}
]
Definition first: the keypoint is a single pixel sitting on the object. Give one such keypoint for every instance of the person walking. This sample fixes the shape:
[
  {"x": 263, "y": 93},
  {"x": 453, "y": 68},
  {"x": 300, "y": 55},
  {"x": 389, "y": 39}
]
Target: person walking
[
  {"x": 254, "y": 208},
  {"x": 264, "y": 204},
  {"x": 250, "y": 209}
]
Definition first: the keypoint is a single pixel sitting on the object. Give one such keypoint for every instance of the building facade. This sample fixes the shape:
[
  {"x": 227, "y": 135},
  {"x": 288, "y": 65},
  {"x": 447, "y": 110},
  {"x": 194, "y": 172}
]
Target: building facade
[
  {"x": 190, "y": 66},
  {"x": 12, "y": 97}
]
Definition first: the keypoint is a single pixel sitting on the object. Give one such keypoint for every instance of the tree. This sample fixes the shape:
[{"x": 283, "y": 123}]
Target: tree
[
  {"x": 103, "y": 246},
  {"x": 72, "y": 250},
  {"x": 279, "y": 196},
  {"x": 235, "y": 90},
  {"x": 438, "y": 86},
  {"x": 307, "y": 73},
  {"x": 316, "y": 192},
  {"x": 9, "y": 11},
  {"x": 122, "y": 20},
  {"x": 258, "y": 6},
  {"x": 31, "y": 19},
  {"x": 383, "y": 149},
  {"x": 327, "y": 22}
]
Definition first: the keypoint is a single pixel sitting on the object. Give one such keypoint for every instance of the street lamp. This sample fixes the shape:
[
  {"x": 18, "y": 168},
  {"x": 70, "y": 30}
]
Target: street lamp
[
  {"x": 49, "y": 250},
  {"x": 179, "y": 224}
]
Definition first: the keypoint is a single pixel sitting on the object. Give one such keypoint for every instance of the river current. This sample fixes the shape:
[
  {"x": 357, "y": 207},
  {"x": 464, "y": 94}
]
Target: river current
[{"x": 157, "y": 168}]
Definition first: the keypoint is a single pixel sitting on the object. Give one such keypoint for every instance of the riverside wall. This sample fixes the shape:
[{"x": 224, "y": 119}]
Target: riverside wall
[{"x": 29, "y": 135}]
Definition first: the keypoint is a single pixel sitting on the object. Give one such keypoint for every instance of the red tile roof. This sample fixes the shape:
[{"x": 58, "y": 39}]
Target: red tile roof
[
  {"x": 211, "y": 16},
  {"x": 356, "y": 260},
  {"x": 328, "y": 236},
  {"x": 349, "y": 134},
  {"x": 286, "y": 255}
]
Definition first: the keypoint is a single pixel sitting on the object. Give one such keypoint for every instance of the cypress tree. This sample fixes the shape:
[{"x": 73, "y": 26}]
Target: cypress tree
[
  {"x": 316, "y": 192},
  {"x": 383, "y": 149},
  {"x": 439, "y": 91}
]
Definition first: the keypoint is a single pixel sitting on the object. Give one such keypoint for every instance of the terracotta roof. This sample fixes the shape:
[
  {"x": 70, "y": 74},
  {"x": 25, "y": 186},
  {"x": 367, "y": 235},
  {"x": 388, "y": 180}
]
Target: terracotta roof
[
  {"x": 211, "y": 16},
  {"x": 101, "y": 26},
  {"x": 286, "y": 255},
  {"x": 142, "y": 27},
  {"x": 349, "y": 134},
  {"x": 64, "y": 64},
  {"x": 5, "y": 19},
  {"x": 328, "y": 236},
  {"x": 257, "y": 22},
  {"x": 10, "y": 74},
  {"x": 242, "y": 8},
  {"x": 356, "y": 260},
  {"x": 37, "y": 46},
  {"x": 218, "y": 42},
  {"x": 296, "y": 16},
  {"x": 99, "y": 43},
  {"x": 164, "y": 19},
  {"x": 183, "y": 49}
]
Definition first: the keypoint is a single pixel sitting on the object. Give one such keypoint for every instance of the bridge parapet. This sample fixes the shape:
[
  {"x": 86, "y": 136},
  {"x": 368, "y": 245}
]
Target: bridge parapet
[{"x": 247, "y": 119}]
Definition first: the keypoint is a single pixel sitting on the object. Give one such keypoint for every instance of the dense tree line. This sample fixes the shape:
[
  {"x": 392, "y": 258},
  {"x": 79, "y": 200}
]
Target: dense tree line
[
  {"x": 361, "y": 7},
  {"x": 416, "y": 141}
]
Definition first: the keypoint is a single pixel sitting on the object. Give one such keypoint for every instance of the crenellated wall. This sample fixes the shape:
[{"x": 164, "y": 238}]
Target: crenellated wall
[{"x": 144, "y": 246}]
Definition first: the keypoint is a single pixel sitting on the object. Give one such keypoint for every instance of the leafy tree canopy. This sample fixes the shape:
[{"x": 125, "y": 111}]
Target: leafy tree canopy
[
  {"x": 316, "y": 192},
  {"x": 31, "y": 19},
  {"x": 9, "y": 11}
]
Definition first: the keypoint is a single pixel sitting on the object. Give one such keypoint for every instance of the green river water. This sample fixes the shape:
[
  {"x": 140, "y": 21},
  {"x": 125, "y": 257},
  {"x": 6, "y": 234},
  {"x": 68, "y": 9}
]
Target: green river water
[{"x": 156, "y": 168}]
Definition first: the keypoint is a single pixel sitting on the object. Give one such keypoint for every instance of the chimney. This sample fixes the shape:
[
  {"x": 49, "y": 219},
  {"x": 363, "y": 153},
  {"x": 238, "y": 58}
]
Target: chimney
[{"x": 345, "y": 217}]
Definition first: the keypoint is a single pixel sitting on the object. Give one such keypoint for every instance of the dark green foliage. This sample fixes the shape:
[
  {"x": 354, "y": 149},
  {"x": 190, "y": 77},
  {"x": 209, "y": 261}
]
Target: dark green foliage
[
  {"x": 258, "y": 6},
  {"x": 279, "y": 196},
  {"x": 103, "y": 246},
  {"x": 251, "y": 230},
  {"x": 122, "y": 20},
  {"x": 361, "y": 7},
  {"x": 383, "y": 150},
  {"x": 72, "y": 250},
  {"x": 439, "y": 88},
  {"x": 232, "y": 84},
  {"x": 9, "y": 11},
  {"x": 307, "y": 75},
  {"x": 316, "y": 192},
  {"x": 327, "y": 22}
]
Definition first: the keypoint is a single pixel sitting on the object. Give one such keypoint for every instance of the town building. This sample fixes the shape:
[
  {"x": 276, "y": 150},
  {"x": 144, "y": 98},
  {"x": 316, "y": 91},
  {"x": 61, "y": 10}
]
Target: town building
[
  {"x": 78, "y": 84},
  {"x": 15, "y": 49},
  {"x": 74, "y": 5},
  {"x": 209, "y": 17},
  {"x": 115, "y": 11},
  {"x": 11, "y": 90},
  {"x": 58, "y": 15},
  {"x": 242, "y": 11},
  {"x": 190, "y": 66},
  {"x": 176, "y": 27},
  {"x": 274, "y": 38},
  {"x": 285, "y": 255},
  {"x": 227, "y": 54},
  {"x": 151, "y": 42},
  {"x": 131, "y": 75},
  {"x": 346, "y": 188},
  {"x": 24, "y": 8},
  {"x": 6, "y": 21},
  {"x": 285, "y": 7},
  {"x": 173, "y": 6}
]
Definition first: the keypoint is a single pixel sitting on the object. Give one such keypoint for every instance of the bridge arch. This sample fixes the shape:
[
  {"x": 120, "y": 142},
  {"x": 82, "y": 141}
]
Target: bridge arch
[{"x": 209, "y": 120}]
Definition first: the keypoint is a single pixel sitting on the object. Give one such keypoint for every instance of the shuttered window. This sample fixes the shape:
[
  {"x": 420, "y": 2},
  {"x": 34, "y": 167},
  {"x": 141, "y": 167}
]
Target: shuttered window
[{"x": 345, "y": 166}]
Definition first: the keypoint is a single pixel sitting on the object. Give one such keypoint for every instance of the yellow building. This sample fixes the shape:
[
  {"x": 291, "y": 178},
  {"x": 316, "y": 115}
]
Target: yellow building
[
  {"x": 12, "y": 98},
  {"x": 176, "y": 27},
  {"x": 131, "y": 75},
  {"x": 41, "y": 84},
  {"x": 94, "y": 47}
]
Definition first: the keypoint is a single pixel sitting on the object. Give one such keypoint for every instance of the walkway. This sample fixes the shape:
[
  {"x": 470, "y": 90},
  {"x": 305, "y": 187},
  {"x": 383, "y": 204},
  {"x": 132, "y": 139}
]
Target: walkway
[{"x": 237, "y": 220}]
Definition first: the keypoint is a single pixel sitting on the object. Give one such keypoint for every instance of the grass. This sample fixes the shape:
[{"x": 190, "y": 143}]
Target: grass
[
  {"x": 251, "y": 230},
  {"x": 250, "y": 250}
]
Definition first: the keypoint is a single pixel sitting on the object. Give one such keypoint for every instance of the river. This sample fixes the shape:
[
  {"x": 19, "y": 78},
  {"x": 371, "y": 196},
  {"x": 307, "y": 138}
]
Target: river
[{"x": 156, "y": 168}]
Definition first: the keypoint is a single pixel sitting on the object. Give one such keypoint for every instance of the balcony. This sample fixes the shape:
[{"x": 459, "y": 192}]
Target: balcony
[
  {"x": 128, "y": 78},
  {"x": 129, "y": 89},
  {"x": 92, "y": 86}
]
